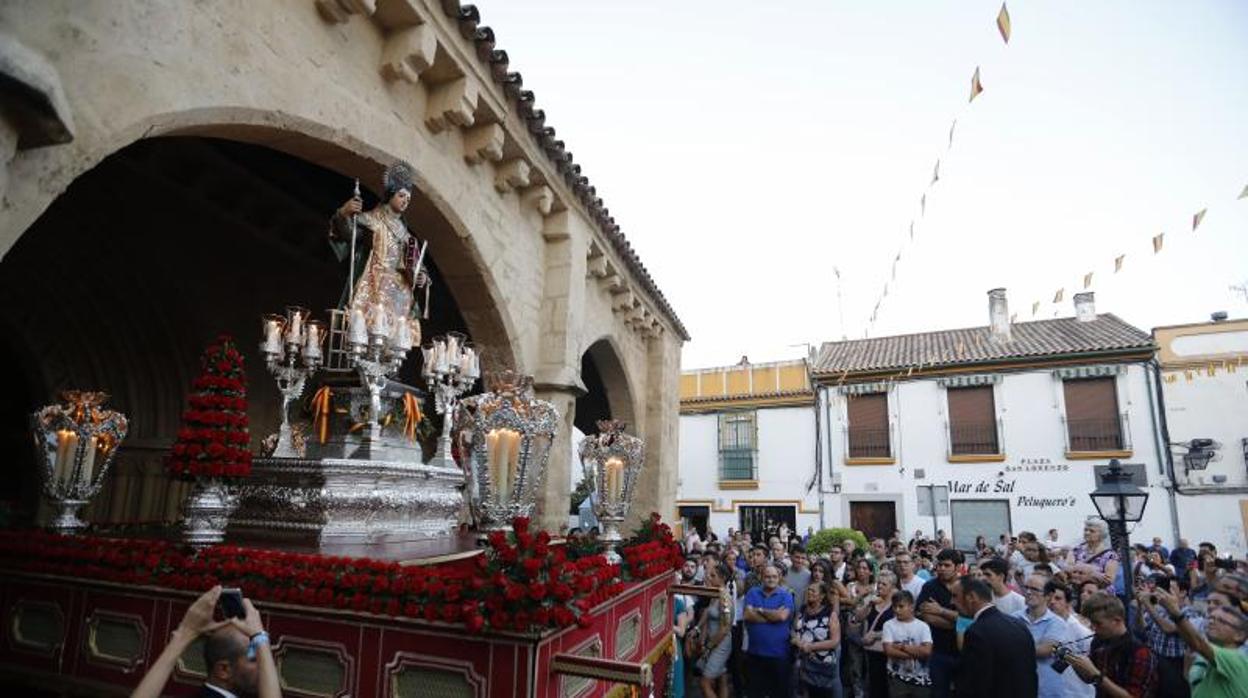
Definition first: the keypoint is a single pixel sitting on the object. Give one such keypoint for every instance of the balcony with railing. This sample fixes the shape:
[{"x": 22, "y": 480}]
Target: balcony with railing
[
  {"x": 865, "y": 446},
  {"x": 738, "y": 468},
  {"x": 1098, "y": 437},
  {"x": 975, "y": 441}
]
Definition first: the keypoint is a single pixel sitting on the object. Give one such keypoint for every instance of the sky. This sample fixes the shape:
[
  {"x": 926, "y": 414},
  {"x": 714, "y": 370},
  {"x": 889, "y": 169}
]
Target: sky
[{"x": 747, "y": 149}]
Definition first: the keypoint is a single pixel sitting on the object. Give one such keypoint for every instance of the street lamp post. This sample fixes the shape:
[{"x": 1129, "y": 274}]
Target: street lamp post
[{"x": 1119, "y": 502}]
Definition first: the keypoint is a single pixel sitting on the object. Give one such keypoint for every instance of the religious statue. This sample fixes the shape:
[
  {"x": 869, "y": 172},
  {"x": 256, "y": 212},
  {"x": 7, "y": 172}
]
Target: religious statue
[{"x": 384, "y": 282}]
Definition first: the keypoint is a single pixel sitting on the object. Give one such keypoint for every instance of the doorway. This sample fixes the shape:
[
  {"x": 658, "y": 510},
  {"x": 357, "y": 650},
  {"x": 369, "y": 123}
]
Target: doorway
[
  {"x": 696, "y": 518},
  {"x": 874, "y": 519},
  {"x": 762, "y": 522},
  {"x": 979, "y": 517}
]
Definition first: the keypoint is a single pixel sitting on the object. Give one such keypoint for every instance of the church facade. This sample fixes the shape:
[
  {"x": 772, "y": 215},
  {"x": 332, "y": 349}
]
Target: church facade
[{"x": 168, "y": 172}]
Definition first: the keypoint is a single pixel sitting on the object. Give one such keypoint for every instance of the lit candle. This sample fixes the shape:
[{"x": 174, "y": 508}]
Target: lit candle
[
  {"x": 88, "y": 462},
  {"x": 440, "y": 355},
  {"x": 615, "y": 478},
  {"x": 294, "y": 333},
  {"x": 272, "y": 330},
  {"x": 452, "y": 348},
  {"x": 65, "y": 440},
  {"x": 513, "y": 458},
  {"x": 378, "y": 321},
  {"x": 427, "y": 356},
  {"x": 496, "y": 447},
  {"x": 357, "y": 330},
  {"x": 312, "y": 349}
]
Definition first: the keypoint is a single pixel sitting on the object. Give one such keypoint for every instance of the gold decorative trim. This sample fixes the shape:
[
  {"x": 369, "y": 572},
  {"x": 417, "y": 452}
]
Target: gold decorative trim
[
  {"x": 738, "y": 484},
  {"x": 15, "y": 633},
  {"x": 334, "y": 649},
  {"x": 801, "y": 505},
  {"x": 96, "y": 656},
  {"x": 1097, "y": 455},
  {"x": 704, "y": 406},
  {"x": 593, "y": 644},
  {"x": 870, "y": 461},
  {"x": 403, "y": 660},
  {"x": 977, "y": 458}
]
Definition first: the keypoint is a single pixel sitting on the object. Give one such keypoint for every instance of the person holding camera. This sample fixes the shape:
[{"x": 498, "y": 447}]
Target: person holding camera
[
  {"x": 1161, "y": 635},
  {"x": 1119, "y": 666},
  {"x": 1219, "y": 669},
  {"x": 236, "y": 651}
]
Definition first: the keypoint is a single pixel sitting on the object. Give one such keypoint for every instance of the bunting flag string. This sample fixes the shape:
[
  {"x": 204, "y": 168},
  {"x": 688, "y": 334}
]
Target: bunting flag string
[
  {"x": 1005, "y": 28},
  {"x": 1158, "y": 243}
]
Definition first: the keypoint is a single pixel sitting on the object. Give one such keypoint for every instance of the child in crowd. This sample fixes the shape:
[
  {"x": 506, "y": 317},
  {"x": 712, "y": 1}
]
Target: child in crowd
[{"x": 908, "y": 645}]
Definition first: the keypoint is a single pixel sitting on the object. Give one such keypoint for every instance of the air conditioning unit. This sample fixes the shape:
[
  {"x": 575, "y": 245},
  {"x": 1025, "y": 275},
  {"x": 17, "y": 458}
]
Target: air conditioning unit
[{"x": 920, "y": 474}]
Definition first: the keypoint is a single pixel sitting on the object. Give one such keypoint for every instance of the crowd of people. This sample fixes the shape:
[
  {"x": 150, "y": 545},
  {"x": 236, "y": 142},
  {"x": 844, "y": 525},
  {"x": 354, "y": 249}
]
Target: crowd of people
[{"x": 1026, "y": 616}]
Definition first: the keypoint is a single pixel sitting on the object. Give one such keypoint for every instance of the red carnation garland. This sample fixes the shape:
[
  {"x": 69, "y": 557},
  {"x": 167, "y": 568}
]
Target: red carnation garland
[{"x": 214, "y": 440}]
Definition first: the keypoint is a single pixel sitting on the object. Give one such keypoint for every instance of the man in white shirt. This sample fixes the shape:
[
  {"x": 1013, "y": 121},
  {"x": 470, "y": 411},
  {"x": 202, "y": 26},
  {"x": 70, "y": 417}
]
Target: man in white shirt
[
  {"x": 996, "y": 573},
  {"x": 1078, "y": 637},
  {"x": 1048, "y": 631},
  {"x": 906, "y": 578}
]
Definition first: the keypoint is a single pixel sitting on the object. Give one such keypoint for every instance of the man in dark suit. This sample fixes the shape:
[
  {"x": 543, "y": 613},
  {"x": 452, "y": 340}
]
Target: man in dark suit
[{"x": 998, "y": 654}]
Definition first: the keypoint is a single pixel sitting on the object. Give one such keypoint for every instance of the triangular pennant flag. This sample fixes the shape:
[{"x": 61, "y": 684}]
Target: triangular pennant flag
[
  {"x": 1157, "y": 242},
  {"x": 911, "y": 230},
  {"x": 955, "y": 125},
  {"x": 1118, "y": 263},
  {"x": 1242, "y": 195},
  {"x": 1212, "y": 369},
  {"x": 936, "y": 172},
  {"x": 1196, "y": 219},
  {"x": 1057, "y": 297},
  {"x": 1003, "y": 23},
  {"x": 1087, "y": 281},
  {"x": 1035, "y": 308},
  {"x": 976, "y": 85},
  {"x": 923, "y": 204},
  {"x": 1187, "y": 375}
]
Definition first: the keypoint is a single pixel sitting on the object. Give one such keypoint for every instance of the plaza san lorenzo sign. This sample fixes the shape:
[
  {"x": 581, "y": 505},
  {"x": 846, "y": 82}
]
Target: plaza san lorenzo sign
[{"x": 1001, "y": 485}]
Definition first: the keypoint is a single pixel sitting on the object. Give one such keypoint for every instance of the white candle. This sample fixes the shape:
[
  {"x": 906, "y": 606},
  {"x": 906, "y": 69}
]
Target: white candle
[
  {"x": 312, "y": 350},
  {"x": 452, "y": 347},
  {"x": 357, "y": 331},
  {"x": 427, "y": 355},
  {"x": 294, "y": 333},
  {"x": 513, "y": 458},
  {"x": 88, "y": 462},
  {"x": 495, "y": 447},
  {"x": 615, "y": 478},
  {"x": 64, "y": 453},
  {"x": 378, "y": 321},
  {"x": 272, "y": 328},
  {"x": 440, "y": 355}
]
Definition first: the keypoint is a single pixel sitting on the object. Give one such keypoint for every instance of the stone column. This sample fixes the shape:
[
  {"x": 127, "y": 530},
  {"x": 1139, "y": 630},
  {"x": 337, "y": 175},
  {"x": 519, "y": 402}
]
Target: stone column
[
  {"x": 558, "y": 374},
  {"x": 656, "y": 489}
]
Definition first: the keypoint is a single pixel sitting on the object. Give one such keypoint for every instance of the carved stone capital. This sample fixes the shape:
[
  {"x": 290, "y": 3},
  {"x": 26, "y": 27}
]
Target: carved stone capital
[
  {"x": 513, "y": 174},
  {"x": 408, "y": 53},
  {"x": 484, "y": 142},
  {"x": 339, "y": 11},
  {"x": 539, "y": 197},
  {"x": 452, "y": 104}
]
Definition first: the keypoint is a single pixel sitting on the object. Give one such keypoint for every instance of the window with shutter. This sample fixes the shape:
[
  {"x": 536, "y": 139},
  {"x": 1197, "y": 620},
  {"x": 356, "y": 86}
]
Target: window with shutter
[
  {"x": 1092, "y": 419},
  {"x": 738, "y": 437},
  {"x": 868, "y": 426},
  {"x": 972, "y": 421}
]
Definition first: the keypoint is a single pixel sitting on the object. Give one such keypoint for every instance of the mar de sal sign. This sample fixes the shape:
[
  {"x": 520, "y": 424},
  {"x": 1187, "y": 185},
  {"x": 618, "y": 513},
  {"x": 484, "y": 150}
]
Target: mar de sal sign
[{"x": 1007, "y": 487}]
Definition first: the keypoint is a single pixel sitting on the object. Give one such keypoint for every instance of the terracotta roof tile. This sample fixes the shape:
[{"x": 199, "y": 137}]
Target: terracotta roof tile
[{"x": 1039, "y": 339}]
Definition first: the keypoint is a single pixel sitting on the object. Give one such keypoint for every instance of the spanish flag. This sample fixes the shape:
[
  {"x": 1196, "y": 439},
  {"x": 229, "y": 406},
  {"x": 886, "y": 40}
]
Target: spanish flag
[
  {"x": 1087, "y": 280},
  {"x": 976, "y": 85}
]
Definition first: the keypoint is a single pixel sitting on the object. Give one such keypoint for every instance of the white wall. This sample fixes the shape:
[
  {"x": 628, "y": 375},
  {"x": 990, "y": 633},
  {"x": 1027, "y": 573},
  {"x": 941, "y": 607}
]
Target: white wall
[
  {"x": 1211, "y": 407},
  {"x": 1044, "y": 489},
  {"x": 786, "y": 447}
]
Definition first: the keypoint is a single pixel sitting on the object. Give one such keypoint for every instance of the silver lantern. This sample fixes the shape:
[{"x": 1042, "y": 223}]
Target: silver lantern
[
  {"x": 612, "y": 460},
  {"x": 509, "y": 434},
  {"x": 76, "y": 443}
]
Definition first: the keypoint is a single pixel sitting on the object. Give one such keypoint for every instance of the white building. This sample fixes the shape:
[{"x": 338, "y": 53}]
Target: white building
[
  {"x": 1205, "y": 390},
  {"x": 1004, "y": 422},
  {"x": 747, "y": 448}
]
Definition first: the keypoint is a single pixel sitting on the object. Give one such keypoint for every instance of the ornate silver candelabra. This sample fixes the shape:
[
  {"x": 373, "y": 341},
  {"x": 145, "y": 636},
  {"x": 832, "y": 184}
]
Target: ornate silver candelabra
[
  {"x": 612, "y": 460},
  {"x": 292, "y": 350},
  {"x": 76, "y": 442},
  {"x": 451, "y": 367},
  {"x": 510, "y": 433},
  {"x": 377, "y": 351}
]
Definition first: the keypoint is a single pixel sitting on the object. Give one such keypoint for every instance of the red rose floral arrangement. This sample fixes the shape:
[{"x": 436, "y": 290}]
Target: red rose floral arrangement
[
  {"x": 214, "y": 440},
  {"x": 652, "y": 550}
]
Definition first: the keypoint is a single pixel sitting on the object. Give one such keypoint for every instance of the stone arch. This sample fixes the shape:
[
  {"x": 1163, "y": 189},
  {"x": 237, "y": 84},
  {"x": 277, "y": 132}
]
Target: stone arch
[
  {"x": 607, "y": 385},
  {"x": 129, "y": 319},
  {"x": 477, "y": 291}
]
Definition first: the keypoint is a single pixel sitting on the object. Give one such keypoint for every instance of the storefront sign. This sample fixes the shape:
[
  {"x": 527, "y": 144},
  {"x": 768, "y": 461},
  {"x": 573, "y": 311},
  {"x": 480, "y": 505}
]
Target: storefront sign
[{"x": 1004, "y": 486}]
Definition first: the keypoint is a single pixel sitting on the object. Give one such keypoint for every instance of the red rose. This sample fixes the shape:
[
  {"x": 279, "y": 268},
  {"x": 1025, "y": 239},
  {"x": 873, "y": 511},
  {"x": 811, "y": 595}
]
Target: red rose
[
  {"x": 474, "y": 622},
  {"x": 584, "y": 620},
  {"x": 537, "y": 591},
  {"x": 520, "y": 524}
]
